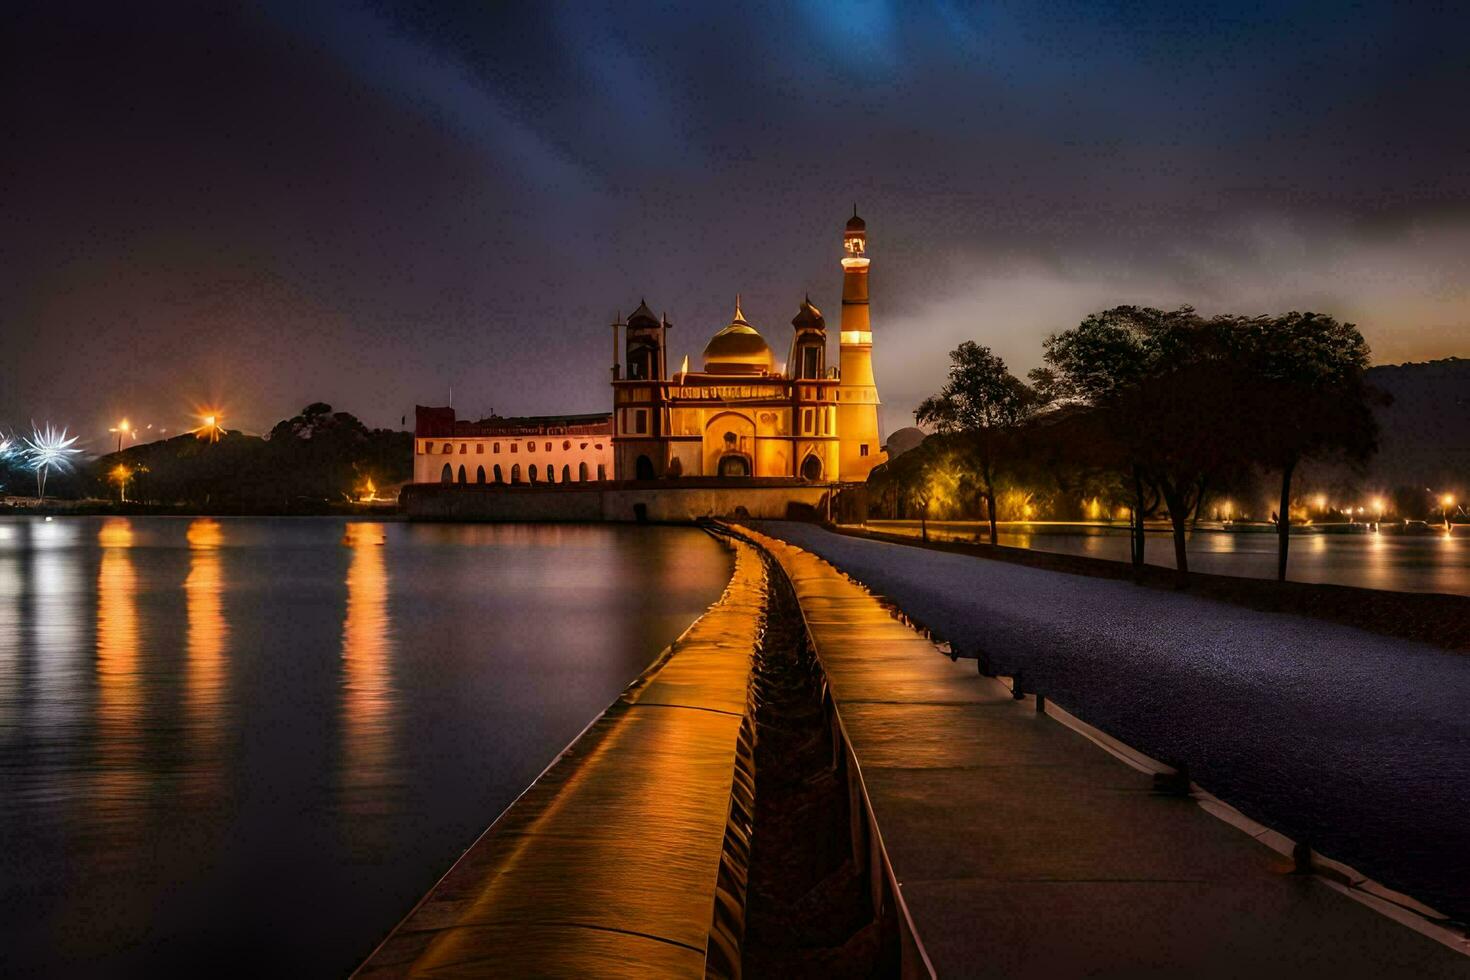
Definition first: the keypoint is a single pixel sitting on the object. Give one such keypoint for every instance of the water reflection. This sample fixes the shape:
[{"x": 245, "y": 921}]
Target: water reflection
[
  {"x": 211, "y": 718},
  {"x": 367, "y": 684},
  {"x": 208, "y": 634},
  {"x": 119, "y": 705},
  {"x": 55, "y": 586},
  {"x": 10, "y": 628},
  {"x": 1437, "y": 562}
]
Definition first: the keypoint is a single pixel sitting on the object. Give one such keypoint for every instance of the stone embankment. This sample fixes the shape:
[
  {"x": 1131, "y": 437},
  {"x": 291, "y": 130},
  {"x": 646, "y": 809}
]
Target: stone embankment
[
  {"x": 701, "y": 826},
  {"x": 803, "y": 784}
]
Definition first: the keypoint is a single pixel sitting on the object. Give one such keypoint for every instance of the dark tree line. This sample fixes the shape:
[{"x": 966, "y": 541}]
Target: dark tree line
[
  {"x": 305, "y": 461},
  {"x": 1161, "y": 408}
]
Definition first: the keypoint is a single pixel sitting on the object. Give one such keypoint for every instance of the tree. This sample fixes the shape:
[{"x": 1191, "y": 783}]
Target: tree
[
  {"x": 1162, "y": 384},
  {"x": 1308, "y": 398},
  {"x": 1091, "y": 366},
  {"x": 983, "y": 404}
]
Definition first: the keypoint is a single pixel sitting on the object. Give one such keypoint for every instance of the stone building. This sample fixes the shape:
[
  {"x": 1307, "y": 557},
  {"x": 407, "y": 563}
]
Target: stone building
[
  {"x": 741, "y": 415},
  {"x": 540, "y": 449}
]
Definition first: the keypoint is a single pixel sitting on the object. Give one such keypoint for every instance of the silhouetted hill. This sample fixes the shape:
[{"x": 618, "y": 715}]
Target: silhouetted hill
[
  {"x": 1424, "y": 436},
  {"x": 304, "y": 462}
]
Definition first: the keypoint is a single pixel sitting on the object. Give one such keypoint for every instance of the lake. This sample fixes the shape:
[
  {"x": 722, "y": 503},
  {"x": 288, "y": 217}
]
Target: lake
[
  {"x": 254, "y": 744},
  {"x": 1436, "y": 562}
]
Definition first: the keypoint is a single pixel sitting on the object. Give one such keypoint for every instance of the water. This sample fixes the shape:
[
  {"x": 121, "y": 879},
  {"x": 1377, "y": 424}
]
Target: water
[
  {"x": 256, "y": 743},
  {"x": 1435, "y": 562}
]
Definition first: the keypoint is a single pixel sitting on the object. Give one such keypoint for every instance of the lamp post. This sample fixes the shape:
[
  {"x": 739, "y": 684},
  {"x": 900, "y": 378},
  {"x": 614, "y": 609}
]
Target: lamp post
[
  {"x": 122, "y": 429},
  {"x": 1445, "y": 503}
]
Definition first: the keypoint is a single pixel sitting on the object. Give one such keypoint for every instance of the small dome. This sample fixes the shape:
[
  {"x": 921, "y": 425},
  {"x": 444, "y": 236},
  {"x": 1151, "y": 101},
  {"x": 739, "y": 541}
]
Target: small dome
[
  {"x": 808, "y": 317},
  {"x": 738, "y": 349},
  {"x": 855, "y": 223},
  {"x": 643, "y": 316}
]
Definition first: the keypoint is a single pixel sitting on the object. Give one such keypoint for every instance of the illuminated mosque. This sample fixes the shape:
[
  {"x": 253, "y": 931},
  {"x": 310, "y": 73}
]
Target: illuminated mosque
[{"x": 739, "y": 416}]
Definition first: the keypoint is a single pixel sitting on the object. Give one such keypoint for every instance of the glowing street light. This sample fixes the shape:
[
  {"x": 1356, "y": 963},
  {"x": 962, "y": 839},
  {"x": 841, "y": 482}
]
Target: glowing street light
[
  {"x": 211, "y": 428},
  {"x": 1445, "y": 503},
  {"x": 121, "y": 475},
  {"x": 123, "y": 428}
]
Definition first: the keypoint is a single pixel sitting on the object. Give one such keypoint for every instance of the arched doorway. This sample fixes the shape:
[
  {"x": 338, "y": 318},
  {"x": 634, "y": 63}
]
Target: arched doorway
[
  {"x": 734, "y": 465},
  {"x": 532, "y": 473},
  {"x": 479, "y": 474},
  {"x": 499, "y": 474},
  {"x": 550, "y": 472},
  {"x": 566, "y": 473},
  {"x": 581, "y": 472},
  {"x": 729, "y": 435},
  {"x": 461, "y": 472},
  {"x": 643, "y": 469},
  {"x": 811, "y": 468},
  {"x": 446, "y": 475},
  {"x": 515, "y": 473}
]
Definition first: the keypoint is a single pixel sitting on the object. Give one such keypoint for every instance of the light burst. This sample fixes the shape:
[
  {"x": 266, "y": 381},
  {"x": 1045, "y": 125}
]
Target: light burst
[{"x": 48, "y": 449}]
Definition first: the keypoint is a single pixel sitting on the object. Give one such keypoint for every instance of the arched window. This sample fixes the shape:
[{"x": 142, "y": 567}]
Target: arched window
[
  {"x": 734, "y": 465},
  {"x": 480, "y": 474},
  {"x": 448, "y": 448},
  {"x": 566, "y": 474},
  {"x": 581, "y": 472},
  {"x": 515, "y": 473},
  {"x": 533, "y": 472},
  {"x": 461, "y": 472},
  {"x": 567, "y": 444},
  {"x": 499, "y": 474},
  {"x": 811, "y": 469},
  {"x": 548, "y": 447},
  {"x": 643, "y": 469},
  {"x": 446, "y": 475},
  {"x": 495, "y": 448}
]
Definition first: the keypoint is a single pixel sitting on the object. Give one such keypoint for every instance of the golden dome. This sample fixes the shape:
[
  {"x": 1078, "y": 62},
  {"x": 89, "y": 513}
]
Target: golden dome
[{"x": 738, "y": 349}]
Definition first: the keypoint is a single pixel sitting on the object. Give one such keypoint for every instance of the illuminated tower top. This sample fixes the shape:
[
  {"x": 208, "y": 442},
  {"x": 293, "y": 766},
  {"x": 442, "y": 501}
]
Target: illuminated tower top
[{"x": 855, "y": 239}]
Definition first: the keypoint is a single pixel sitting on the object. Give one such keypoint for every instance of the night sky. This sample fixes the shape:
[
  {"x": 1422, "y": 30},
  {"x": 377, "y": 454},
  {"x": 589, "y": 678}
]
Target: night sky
[{"x": 363, "y": 204}]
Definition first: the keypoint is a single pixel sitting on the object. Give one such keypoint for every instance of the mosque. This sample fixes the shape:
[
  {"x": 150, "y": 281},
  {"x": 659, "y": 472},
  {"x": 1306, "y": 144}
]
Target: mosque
[{"x": 740, "y": 416}]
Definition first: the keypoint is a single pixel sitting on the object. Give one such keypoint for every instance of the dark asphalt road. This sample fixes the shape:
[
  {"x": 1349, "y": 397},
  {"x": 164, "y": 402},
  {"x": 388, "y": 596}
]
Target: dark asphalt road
[{"x": 1356, "y": 742}]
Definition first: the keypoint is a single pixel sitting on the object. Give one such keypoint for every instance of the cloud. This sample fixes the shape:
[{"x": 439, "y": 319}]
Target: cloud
[{"x": 1408, "y": 291}]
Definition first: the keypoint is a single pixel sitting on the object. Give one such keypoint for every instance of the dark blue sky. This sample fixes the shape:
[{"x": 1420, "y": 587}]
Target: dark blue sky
[{"x": 366, "y": 203}]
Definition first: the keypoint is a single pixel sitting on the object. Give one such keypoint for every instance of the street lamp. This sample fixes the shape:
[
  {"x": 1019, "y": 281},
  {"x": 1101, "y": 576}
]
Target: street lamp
[
  {"x": 1445, "y": 503},
  {"x": 211, "y": 429},
  {"x": 122, "y": 429}
]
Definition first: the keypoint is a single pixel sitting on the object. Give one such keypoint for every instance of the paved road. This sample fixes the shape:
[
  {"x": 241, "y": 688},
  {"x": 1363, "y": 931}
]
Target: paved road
[{"x": 1357, "y": 743}]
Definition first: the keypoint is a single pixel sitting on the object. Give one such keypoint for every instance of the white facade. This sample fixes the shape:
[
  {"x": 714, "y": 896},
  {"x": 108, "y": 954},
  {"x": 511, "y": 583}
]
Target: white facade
[{"x": 524, "y": 459}]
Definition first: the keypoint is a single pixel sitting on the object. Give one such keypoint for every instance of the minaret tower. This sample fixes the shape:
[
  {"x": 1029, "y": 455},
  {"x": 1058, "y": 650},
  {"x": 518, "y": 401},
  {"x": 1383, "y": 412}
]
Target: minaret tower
[{"x": 857, "y": 395}]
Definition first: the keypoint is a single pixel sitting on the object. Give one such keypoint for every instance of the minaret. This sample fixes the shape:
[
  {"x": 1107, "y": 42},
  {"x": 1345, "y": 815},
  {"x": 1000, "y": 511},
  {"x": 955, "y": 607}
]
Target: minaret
[{"x": 857, "y": 395}]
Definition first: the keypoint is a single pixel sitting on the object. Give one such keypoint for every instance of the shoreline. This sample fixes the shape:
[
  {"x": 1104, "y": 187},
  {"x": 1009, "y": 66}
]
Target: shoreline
[{"x": 1437, "y": 618}]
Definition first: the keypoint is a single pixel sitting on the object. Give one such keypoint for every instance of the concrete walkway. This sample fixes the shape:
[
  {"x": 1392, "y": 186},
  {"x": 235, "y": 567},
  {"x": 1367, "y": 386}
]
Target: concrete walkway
[
  {"x": 610, "y": 864},
  {"x": 1357, "y": 742},
  {"x": 1023, "y": 849}
]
